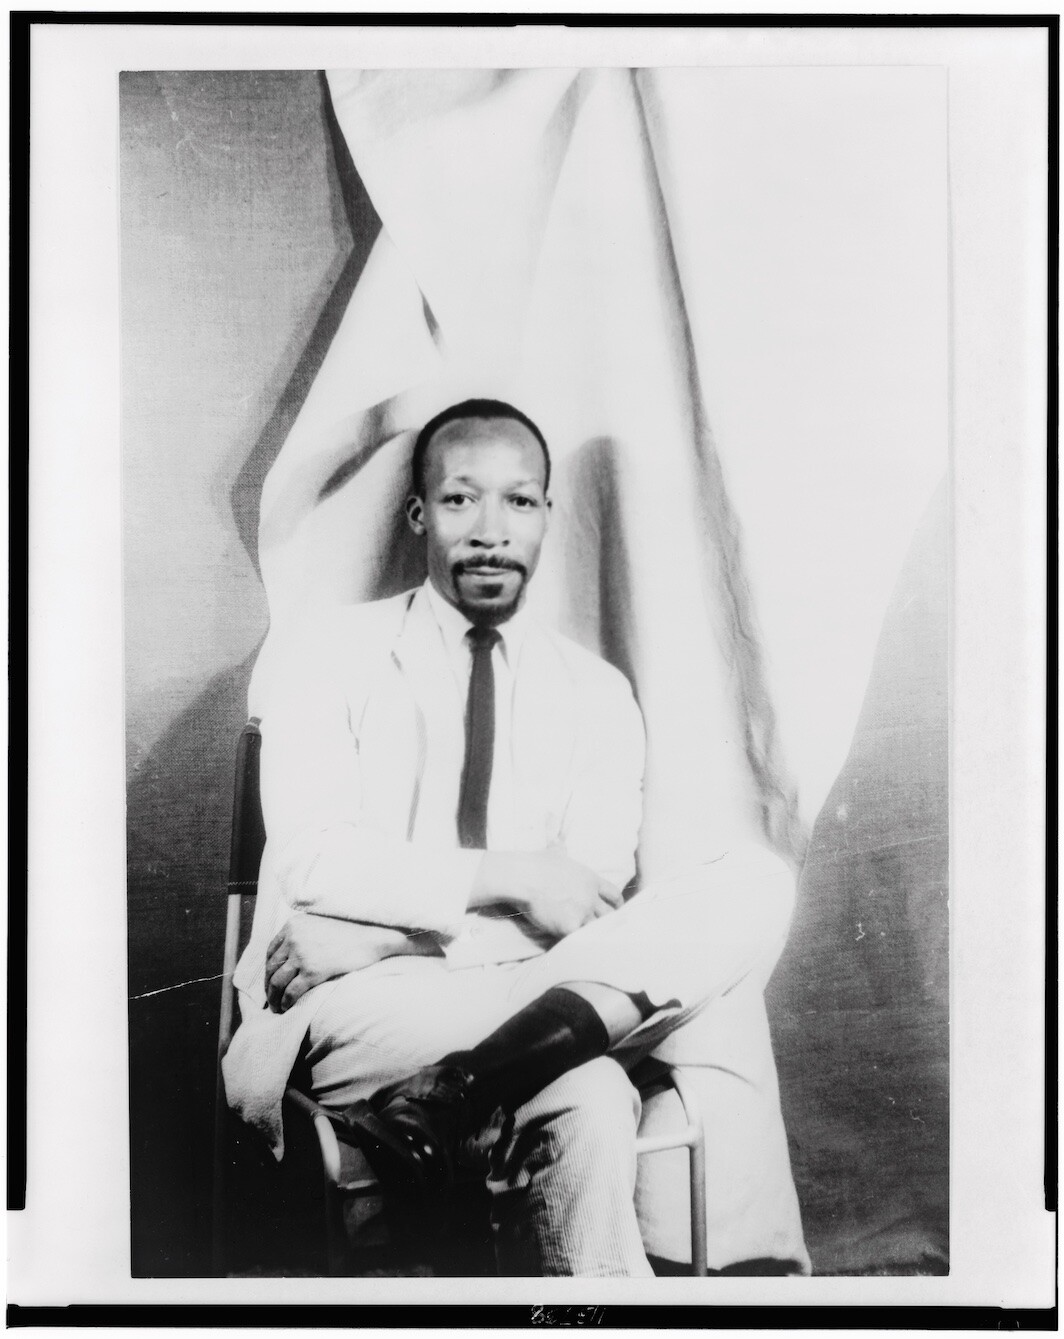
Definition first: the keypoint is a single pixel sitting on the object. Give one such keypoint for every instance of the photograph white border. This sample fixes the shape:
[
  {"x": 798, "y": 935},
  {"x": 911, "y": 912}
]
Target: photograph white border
[{"x": 71, "y": 1243}]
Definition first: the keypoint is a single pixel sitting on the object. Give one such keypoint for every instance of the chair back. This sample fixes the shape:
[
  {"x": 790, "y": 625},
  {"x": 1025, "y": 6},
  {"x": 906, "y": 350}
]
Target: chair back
[{"x": 245, "y": 856}]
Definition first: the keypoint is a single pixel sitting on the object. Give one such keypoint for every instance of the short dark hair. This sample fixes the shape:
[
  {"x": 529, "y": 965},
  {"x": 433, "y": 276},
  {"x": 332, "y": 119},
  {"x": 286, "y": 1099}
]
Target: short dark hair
[{"x": 469, "y": 409}]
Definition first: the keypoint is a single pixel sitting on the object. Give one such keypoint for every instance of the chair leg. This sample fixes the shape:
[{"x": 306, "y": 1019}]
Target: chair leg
[
  {"x": 335, "y": 1233},
  {"x": 697, "y": 1153}
]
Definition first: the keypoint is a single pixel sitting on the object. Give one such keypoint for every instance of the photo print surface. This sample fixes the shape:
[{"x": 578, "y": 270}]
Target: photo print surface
[{"x": 720, "y": 294}]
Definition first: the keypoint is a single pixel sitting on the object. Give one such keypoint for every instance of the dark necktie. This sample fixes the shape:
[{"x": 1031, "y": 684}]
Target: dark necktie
[{"x": 480, "y": 741}]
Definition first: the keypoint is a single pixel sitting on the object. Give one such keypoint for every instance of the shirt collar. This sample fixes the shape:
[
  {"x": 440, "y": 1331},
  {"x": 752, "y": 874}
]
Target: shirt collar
[{"x": 454, "y": 625}]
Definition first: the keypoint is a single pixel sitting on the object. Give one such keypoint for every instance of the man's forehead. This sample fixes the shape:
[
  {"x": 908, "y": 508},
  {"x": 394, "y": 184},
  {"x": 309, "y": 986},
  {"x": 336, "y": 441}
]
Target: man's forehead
[
  {"x": 484, "y": 431},
  {"x": 476, "y": 433}
]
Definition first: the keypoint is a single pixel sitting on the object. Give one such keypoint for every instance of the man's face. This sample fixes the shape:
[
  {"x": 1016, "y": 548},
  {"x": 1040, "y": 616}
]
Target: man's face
[{"x": 484, "y": 514}]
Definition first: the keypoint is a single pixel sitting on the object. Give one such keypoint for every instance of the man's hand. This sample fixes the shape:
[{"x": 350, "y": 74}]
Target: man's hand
[
  {"x": 312, "y": 949},
  {"x": 554, "y": 893}
]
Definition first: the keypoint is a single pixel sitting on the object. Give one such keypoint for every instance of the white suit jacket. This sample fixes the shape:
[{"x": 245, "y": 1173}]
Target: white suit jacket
[
  {"x": 363, "y": 743},
  {"x": 360, "y": 733}
]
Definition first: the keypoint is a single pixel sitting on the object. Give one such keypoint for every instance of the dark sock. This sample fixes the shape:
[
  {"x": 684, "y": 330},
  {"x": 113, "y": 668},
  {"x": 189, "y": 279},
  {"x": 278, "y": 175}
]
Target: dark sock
[{"x": 555, "y": 1033}]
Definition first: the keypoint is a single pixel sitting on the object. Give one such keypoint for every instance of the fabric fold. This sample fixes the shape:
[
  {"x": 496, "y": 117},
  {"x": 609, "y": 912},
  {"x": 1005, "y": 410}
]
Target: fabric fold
[{"x": 667, "y": 270}]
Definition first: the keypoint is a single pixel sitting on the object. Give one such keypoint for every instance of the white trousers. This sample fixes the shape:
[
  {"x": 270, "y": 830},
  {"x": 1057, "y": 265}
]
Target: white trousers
[{"x": 564, "y": 1172}]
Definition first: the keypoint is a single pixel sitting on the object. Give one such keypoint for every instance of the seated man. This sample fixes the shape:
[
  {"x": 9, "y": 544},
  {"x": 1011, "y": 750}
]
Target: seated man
[{"x": 452, "y": 797}]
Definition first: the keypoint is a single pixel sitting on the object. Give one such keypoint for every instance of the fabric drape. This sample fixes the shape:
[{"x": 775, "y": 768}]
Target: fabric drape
[{"x": 721, "y": 293}]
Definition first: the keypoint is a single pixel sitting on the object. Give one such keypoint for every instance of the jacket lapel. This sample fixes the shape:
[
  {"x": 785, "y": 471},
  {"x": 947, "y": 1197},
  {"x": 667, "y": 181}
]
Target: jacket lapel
[{"x": 421, "y": 658}]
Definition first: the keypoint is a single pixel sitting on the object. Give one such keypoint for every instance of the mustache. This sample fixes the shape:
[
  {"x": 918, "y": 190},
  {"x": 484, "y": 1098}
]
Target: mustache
[{"x": 494, "y": 562}]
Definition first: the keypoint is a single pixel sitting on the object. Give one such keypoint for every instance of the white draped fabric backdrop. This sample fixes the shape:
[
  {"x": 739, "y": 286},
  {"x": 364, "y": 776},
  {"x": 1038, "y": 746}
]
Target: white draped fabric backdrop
[{"x": 722, "y": 295}]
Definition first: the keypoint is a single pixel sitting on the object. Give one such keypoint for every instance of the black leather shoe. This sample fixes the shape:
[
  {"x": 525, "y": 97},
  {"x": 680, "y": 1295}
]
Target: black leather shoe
[{"x": 415, "y": 1133}]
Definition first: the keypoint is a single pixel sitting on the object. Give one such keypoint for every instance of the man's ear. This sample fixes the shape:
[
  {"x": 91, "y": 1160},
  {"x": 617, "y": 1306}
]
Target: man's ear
[{"x": 415, "y": 514}]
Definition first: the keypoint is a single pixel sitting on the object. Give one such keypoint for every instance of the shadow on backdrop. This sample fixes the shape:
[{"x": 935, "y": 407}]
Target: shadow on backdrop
[
  {"x": 860, "y": 1000},
  {"x": 364, "y": 226},
  {"x": 179, "y": 802},
  {"x": 178, "y": 815},
  {"x": 597, "y": 548}
]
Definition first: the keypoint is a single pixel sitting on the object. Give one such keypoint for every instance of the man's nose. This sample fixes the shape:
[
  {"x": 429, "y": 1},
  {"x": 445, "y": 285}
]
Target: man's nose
[{"x": 489, "y": 529}]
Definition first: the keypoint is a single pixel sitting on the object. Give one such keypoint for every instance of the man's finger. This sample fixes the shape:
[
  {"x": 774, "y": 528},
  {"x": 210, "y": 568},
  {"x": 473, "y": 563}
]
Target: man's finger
[
  {"x": 276, "y": 954},
  {"x": 276, "y": 984},
  {"x": 612, "y": 895},
  {"x": 293, "y": 991}
]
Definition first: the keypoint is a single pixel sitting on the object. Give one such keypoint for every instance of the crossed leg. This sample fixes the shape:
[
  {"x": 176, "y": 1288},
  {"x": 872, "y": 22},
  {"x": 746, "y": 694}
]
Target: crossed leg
[
  {"x": 689, "y": 941},
  {"x": 563, "y": 1168}
]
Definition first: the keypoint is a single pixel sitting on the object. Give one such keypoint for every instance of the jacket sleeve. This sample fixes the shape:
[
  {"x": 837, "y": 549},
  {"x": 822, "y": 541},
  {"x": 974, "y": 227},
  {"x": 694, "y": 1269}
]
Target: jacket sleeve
[
  {"x": 327, "y": 859},
  {"x": 601, "y": 823}
]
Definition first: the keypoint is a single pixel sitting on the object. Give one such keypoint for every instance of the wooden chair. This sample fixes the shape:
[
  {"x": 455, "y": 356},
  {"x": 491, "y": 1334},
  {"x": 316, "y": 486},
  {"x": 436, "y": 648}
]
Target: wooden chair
[{"x": 248, "y": 838}]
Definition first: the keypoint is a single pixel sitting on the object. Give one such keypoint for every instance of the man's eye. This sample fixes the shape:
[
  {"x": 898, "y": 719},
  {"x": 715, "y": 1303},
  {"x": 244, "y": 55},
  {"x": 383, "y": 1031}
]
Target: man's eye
[
  {"x": 456, "y": 499},
  {"x": 519, "y": 500}
]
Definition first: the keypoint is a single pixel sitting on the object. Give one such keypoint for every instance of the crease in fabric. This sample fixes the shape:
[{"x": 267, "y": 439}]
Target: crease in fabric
[{"x": 779, "y": 799}]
